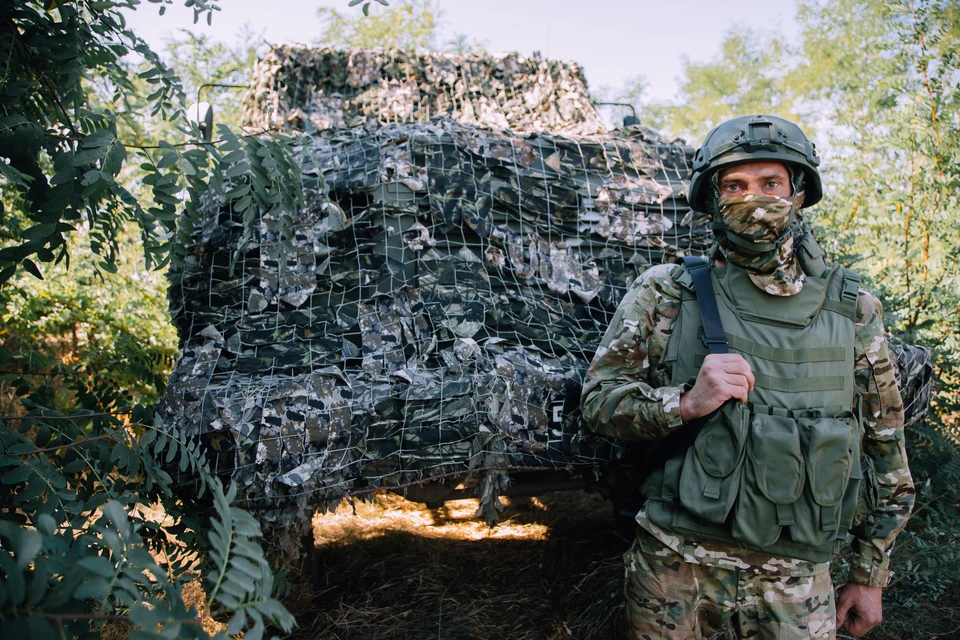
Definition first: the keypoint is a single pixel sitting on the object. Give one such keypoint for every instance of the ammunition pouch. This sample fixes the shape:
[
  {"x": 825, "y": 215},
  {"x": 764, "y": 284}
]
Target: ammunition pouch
[{"x": 772, "y": 475}]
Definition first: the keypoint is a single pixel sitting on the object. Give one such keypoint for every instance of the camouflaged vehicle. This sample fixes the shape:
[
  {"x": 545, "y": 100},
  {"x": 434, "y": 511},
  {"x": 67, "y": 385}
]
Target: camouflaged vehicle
[{"x": 475, "y": 230}]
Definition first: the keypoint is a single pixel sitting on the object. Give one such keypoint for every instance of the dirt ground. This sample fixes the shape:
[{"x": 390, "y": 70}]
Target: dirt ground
[{"x": 551, "y": 569}]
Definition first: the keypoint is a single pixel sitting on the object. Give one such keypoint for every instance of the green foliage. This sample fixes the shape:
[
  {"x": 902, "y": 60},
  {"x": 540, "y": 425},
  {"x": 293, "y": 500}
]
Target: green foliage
[
  {"x": 750, "y": 75},
  {"x": 411, "y": 25},
  {"x": 896, "y": 132},
  {"x": 81, "y": 445},
  {"x": 81, "y": 540},
  {"x": 242, "y": 581},
  {"x": 93, "y": 528},
  {"x": 59, "y": 155},
  {"x": 930, "y": 548},
  {"x": 107, "y": 335},
  {"x": 74, "y": 554}
]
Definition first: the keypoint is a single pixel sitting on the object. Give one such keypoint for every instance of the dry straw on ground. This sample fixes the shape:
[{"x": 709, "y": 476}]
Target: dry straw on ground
[{"x": 550, "y": 569}]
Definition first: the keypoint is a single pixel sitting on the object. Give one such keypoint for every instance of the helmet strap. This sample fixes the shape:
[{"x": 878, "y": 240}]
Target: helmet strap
[
  {"x": 718, "y": 227},
  {"x": 797, "y": 178}
]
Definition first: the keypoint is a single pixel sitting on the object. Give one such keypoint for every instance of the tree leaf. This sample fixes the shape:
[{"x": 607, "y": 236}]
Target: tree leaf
[
  {"x": 92, "y": 588},
  {"x": 98, "y": 565},
  {"x": 46, "y": 524},
  {"x": 17, "y": 475},
  {"x": 7, "y": 272},
  {"x": 99, "y": 138},
  {"x": 168, "y": 160},
  {"x": 32, "y": 269},
  {"x": 143, "y": 616}
]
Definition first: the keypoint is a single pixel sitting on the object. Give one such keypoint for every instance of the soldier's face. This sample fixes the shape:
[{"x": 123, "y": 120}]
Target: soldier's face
[{"x": 763, "y": 178}]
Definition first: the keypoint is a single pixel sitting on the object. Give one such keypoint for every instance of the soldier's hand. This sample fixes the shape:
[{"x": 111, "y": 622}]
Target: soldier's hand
[
  {"x": 859, "y": 608},
  {"x": 722, "y": 376}
]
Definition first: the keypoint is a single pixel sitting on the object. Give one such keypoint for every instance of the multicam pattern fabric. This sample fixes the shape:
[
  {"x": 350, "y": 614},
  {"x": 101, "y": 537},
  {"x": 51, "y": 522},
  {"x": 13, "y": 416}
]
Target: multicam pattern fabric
[
  {"x": 766, "y": 221},
  {"x": 628, "y": 394},
  {"x": 671, "y": 598}
]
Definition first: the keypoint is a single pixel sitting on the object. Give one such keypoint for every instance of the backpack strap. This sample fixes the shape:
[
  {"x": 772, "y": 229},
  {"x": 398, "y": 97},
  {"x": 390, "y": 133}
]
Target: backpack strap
[
  {"x": 697, "y": 270},
  {"x": 714, "y": 337}
]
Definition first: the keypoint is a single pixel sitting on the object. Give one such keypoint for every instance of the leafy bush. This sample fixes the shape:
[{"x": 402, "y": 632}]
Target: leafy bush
[{"x": 93, "y": 531}]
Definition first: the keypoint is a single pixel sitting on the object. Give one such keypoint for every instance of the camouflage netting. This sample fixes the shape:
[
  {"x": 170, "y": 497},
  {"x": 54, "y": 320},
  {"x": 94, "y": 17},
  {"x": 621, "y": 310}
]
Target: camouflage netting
[
  {"x": 303, "y": 89},
  {"x": 446, "y": 291}
]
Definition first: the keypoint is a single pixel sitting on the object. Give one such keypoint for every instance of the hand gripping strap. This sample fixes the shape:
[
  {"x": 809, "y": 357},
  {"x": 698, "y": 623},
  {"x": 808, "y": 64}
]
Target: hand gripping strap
[{"x": 713, "y": 336}]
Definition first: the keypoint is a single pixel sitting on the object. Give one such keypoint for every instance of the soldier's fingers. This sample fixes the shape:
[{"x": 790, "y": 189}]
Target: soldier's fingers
[
  {"x": 736, "y": 391},
  {"x": 723, "y": 357},
  {"x": 739, "y": 366},
  {"x": 750, "y": 379},
  {"x": 858, "y": 627},
  {"x": 735, "y": 366},
  {"x": 736, "y": 380},
  {"x": 843, "y": 606},
  {"x": 865, "y": 619}
]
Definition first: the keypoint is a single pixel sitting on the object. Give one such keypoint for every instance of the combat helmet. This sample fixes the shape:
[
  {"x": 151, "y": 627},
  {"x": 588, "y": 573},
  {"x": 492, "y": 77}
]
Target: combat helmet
[{"x": 753, "y": 138}]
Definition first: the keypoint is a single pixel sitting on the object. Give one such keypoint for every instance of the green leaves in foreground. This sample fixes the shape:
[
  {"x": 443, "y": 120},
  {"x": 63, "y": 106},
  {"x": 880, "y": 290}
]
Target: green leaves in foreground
[
  {"x": 82, "y": 552},
  {"x": 71, "y": 115},
  {"x": 242, "y": 581}
]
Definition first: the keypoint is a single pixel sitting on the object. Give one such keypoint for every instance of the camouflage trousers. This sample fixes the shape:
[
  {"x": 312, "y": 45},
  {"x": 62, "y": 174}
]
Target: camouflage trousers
[{"x": 671, "y": 599}]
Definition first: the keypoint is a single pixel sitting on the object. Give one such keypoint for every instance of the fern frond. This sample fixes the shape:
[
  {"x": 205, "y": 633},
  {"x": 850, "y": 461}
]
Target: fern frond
[{"x": 242, "y": 580}]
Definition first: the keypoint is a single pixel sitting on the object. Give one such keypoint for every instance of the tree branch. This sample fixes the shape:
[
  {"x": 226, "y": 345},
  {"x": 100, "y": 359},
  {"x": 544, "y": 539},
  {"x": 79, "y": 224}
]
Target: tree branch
[
  {"x": 69, "y": 445},
  {"x": 43, "y": 77},
  {"x": 77, "y": 417},
  {"x": 253, "y": 134}
]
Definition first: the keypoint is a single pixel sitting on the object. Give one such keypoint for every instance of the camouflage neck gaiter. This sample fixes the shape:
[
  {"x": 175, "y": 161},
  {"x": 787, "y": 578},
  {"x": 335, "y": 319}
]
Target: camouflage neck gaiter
[{"x": 758, "y": 237}]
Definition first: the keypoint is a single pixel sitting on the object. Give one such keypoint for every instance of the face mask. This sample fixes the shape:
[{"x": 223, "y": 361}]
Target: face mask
[{"x": 758, "y": 237}]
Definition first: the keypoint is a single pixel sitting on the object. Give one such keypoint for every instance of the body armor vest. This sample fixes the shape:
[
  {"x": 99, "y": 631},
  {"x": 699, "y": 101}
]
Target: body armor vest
[{"x": 780, "y": 473}]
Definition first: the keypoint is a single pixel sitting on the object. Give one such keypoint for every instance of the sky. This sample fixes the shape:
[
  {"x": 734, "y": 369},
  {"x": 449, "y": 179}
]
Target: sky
[{"x": 612, "y": 41}]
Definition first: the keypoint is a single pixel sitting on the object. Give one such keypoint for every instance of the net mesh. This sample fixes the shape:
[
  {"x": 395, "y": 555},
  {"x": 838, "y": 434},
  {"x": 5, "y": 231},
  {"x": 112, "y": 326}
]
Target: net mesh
[
  {"x": 303, "y": 89},
  {"x": 447, "y": 286}
]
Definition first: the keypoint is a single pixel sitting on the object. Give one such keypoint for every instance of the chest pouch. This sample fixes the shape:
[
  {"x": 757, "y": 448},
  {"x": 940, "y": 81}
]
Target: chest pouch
[
  {"x": 710, "y": 478},
  {"x": 801, "y": 474},
  {"x": 832, "y": 450}
]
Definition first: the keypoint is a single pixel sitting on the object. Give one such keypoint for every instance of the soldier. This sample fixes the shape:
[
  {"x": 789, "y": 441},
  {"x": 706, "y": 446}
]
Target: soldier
[{"x": 756, "y": 466}]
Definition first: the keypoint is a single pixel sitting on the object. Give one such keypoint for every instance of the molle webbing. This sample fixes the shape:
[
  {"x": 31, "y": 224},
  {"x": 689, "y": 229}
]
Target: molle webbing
[
  {"x": 799, "y": 385},
  {"x": 781, "y": 472},
  {"x": 795, "y": 385},
  {"x": 792, "y": 356}
]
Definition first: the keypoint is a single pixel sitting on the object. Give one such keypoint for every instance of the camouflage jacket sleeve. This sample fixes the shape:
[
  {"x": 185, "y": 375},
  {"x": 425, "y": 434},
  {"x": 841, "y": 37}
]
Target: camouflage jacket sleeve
[
  {"x": 626, "y": 392},
  {"x": 883, "y": 442}
]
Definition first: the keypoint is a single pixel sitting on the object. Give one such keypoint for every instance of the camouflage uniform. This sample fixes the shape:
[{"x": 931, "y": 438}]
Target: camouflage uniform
[
  {"x": 670, "y": 595},
  {"x": 628, "y": 394}
]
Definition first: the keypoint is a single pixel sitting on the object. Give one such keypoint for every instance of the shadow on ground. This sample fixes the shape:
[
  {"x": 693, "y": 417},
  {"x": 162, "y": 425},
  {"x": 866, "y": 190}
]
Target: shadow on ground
[{"x": 551, "y": 569}]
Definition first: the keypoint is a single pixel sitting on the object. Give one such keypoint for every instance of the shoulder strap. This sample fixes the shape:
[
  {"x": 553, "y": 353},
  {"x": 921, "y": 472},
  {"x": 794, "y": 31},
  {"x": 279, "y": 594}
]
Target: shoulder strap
[
  {"x": 847, "y": 304},
  {"x": 713, "y": 335},
  {"x": 716, "y": 341}
]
